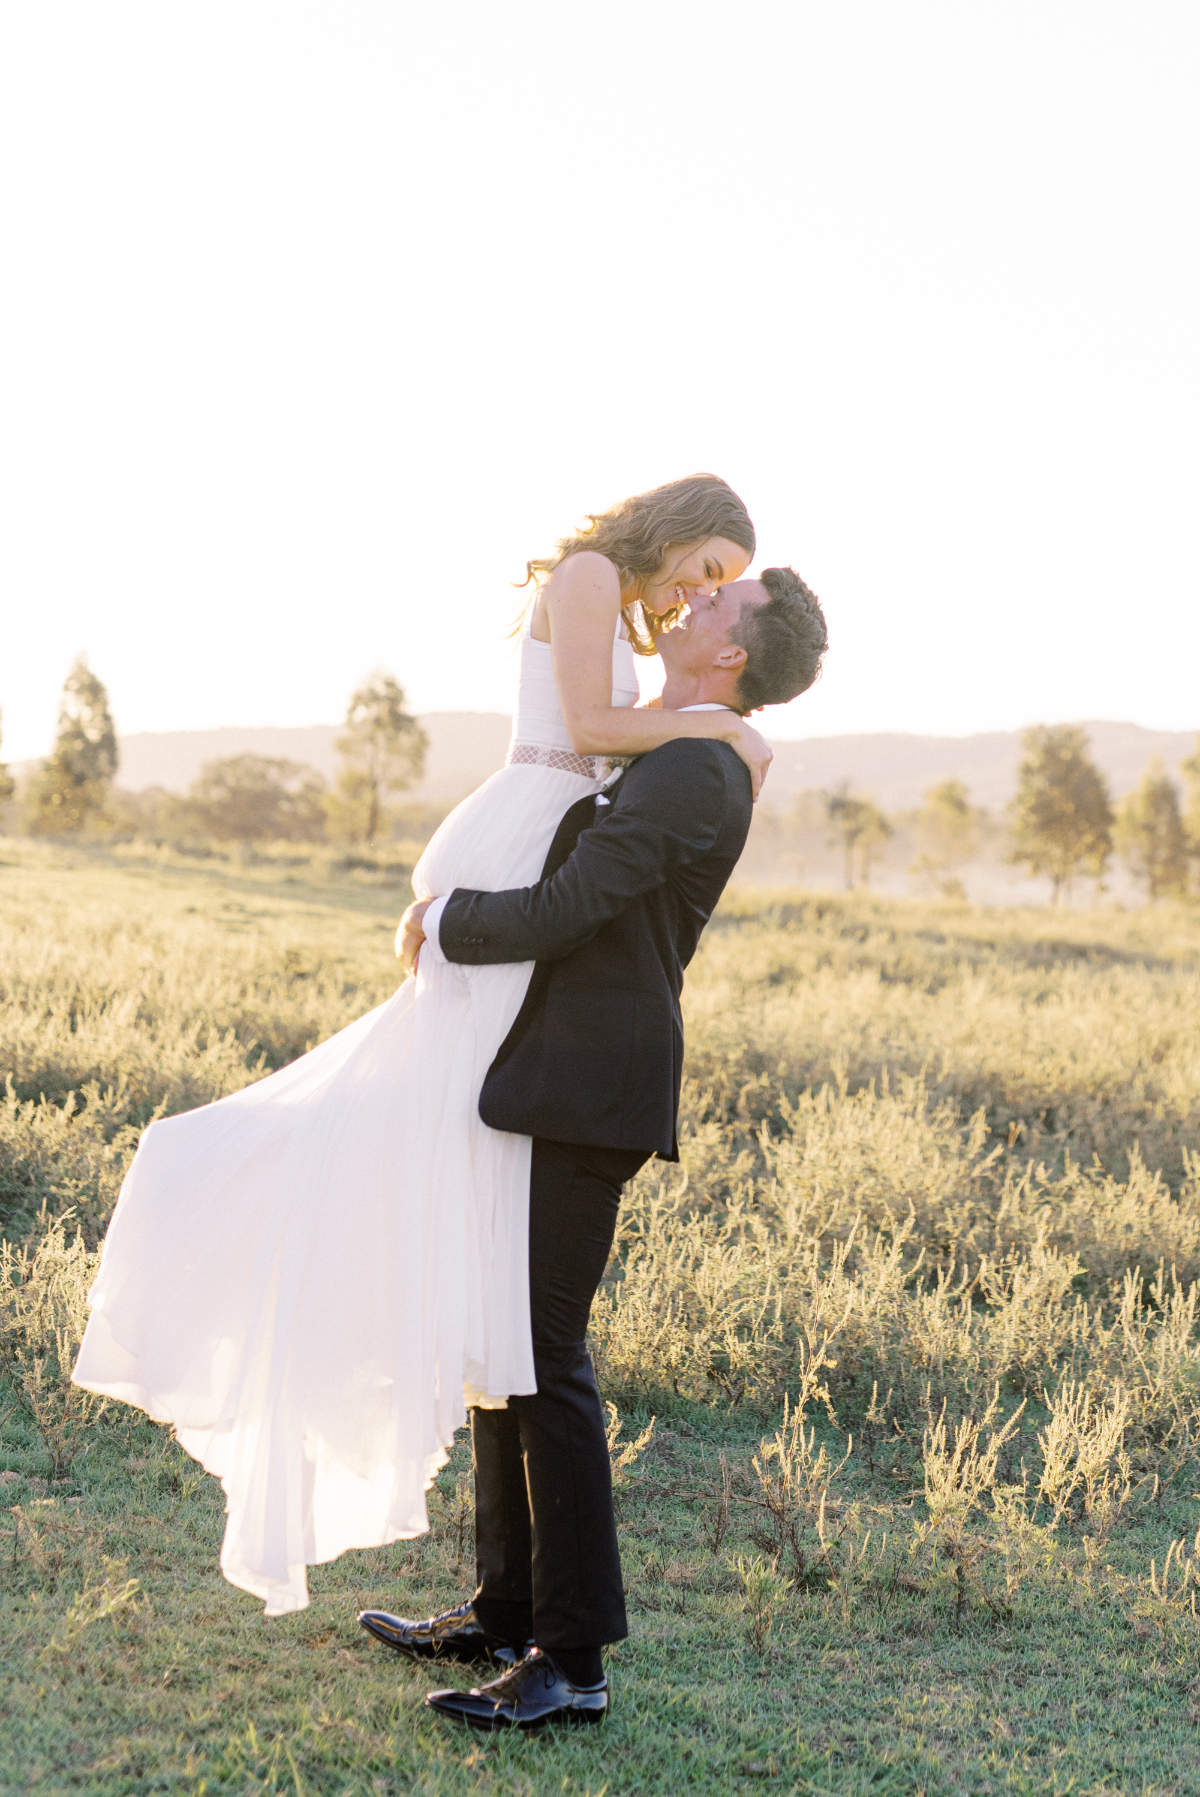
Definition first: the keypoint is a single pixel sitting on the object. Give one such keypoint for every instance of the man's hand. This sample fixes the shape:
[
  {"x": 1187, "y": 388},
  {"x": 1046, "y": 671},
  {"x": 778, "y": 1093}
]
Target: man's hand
[{"x": 410, "y": 934}]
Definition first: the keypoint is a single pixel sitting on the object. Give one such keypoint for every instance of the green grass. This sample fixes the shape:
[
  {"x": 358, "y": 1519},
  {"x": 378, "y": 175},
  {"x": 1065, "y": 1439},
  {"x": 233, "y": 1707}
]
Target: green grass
[
  {"x": 186, "y": 1688},
  {"x": 933, "y": 1157}
]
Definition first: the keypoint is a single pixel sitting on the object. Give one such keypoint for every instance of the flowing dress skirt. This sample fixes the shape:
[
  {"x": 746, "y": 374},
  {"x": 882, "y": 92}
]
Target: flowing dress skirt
[{"x": 312, "y": 1278}]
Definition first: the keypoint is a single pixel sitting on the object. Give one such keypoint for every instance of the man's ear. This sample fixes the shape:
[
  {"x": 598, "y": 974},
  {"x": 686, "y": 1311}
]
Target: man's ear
[{"x": 730, "y": 656}]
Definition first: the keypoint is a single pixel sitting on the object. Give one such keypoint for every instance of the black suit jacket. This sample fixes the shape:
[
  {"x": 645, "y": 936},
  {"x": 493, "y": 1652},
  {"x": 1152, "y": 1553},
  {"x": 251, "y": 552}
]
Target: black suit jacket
[{"x": 596, "y": 1053}]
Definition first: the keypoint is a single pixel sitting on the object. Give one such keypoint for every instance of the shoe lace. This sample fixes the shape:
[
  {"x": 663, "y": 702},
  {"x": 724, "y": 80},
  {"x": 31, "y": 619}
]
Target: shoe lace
[{"x": 510, "y": 1684}]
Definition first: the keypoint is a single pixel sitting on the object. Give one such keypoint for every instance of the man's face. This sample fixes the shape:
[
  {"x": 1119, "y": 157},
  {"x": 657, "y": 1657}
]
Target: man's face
[{"x": 701, "y": 642}]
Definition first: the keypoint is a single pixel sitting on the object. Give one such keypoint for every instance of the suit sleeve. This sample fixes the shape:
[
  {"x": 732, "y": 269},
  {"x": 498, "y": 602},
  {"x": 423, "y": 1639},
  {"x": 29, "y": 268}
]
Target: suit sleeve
[{"x": 666, "y": 813}]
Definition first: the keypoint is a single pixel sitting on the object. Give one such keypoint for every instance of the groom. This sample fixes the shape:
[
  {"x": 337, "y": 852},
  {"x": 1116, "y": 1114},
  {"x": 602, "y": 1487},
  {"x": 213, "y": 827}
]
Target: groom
[{"x": 591, "y": 1070}]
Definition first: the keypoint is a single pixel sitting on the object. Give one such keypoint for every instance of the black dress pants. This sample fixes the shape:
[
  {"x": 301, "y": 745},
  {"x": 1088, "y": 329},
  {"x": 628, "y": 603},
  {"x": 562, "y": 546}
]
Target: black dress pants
[{"x": 545, "y": 1537}]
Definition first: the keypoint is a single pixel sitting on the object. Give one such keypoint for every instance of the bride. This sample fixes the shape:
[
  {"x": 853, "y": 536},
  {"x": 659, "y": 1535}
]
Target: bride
[{"x": 312, "y": 1278}]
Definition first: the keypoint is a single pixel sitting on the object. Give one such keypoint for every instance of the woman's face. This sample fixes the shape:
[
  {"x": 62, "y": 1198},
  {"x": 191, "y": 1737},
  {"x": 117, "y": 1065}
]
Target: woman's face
[{"x": 687, "y": 573}]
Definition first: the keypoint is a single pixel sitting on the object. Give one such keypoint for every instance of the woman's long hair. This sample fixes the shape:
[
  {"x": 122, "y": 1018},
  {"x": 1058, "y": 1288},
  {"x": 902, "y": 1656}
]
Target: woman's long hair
[{"x": 636, "y": 534}]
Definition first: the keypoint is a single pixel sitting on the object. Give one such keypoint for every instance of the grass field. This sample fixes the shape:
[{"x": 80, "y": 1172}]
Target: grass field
[{"x": 916, "y": 1318}]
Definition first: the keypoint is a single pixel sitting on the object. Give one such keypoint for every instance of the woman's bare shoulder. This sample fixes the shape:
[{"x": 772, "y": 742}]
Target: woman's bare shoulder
[
  {"x": 585, "y": 586},
  {"x": 585, "y": 572}
]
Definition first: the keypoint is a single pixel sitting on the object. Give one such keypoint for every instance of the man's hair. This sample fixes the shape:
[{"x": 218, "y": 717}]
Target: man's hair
[{"x": 784, "y": 640}]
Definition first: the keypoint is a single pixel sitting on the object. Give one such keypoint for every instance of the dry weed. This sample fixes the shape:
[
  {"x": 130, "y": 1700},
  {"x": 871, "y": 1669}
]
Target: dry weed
[{"x": 43, "y": 1309}]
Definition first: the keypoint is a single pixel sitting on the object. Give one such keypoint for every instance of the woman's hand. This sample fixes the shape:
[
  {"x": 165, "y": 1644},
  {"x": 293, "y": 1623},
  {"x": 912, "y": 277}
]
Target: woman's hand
[{"x": 755, "y": 751}]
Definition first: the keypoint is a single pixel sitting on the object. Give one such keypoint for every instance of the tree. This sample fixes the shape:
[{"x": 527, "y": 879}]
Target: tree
[
  {"x": 253, "y": 797},
  {"x": 7, "y": 784},
  {"x": 1149, "y": 833},
  {"x": 152, "y": 813},
  {"x": 861, "y": 828},
  {"x": 1061, "y": 816},
  {"x": 1191, "y": 811},
  {"x": 947, "y": 832},
  {"x": 383, "y": 752},
  {"x": 71, "y": 787}
]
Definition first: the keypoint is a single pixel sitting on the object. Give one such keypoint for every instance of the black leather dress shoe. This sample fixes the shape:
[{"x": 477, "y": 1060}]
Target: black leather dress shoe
[
  {"x": 453, "y": 1635},
  {"x": 533, "y": 1693}
]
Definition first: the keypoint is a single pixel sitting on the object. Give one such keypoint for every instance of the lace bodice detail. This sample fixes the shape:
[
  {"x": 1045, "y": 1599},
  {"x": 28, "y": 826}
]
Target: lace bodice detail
[{"x": 538, "y": 719}]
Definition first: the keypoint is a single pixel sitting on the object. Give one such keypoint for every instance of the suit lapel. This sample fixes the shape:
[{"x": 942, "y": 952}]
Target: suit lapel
[{"x": 581, "y": 816}]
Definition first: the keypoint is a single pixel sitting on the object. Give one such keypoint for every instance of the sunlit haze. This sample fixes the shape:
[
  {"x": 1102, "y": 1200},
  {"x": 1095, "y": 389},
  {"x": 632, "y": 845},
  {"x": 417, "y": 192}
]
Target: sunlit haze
[{"x": 321, "y": 318}]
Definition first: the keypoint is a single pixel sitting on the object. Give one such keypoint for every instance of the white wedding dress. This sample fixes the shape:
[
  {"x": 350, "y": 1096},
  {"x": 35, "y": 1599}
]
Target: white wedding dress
[{"x": 312, "y": 1278}]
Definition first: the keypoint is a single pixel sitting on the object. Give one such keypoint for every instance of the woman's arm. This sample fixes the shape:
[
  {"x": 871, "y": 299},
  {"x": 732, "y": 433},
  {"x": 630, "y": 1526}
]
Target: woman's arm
[{"x": 581, "y": 602}]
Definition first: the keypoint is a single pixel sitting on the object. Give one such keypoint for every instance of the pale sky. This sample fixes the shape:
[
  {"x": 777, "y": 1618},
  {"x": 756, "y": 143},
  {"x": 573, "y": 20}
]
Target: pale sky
[{"x": 321, "y": 316}]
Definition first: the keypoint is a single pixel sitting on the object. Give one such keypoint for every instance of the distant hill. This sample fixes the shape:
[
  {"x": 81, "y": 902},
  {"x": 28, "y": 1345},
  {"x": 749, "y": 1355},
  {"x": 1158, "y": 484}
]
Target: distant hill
[
  {"x": 466, "y": 746},
  {"x": 897, "y": 769}
]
